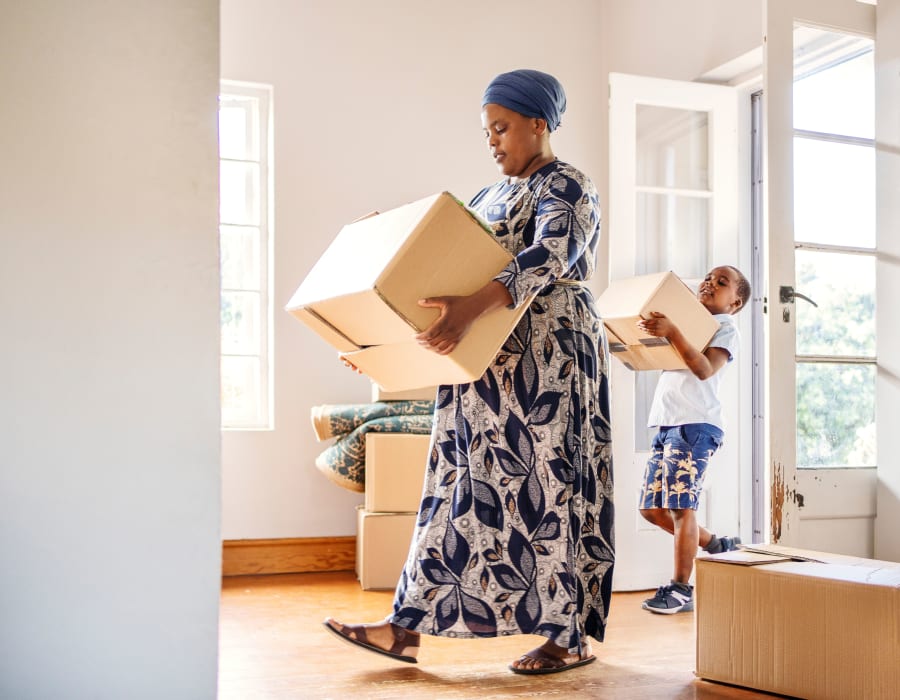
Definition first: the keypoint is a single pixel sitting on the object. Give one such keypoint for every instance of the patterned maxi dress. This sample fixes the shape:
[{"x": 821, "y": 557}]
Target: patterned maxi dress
[{"x": 515, "y": 529}]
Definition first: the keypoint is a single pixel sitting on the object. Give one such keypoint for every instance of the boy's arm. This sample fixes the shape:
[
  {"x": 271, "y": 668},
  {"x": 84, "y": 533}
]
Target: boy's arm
[{"x": 702, "y": 364}]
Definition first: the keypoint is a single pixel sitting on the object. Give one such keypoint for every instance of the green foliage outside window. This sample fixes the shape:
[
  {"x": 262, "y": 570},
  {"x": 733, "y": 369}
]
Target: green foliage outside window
[{"x": 835, "y": 401}]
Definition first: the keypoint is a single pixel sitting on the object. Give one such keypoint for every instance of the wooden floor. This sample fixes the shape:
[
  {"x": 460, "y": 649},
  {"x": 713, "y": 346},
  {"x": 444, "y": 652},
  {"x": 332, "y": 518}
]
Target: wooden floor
[{"x": 273, "y": 645}]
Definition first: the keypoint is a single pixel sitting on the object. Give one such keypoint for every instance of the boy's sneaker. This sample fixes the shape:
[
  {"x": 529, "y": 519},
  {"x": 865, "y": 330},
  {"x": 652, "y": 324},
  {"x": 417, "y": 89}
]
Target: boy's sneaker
[
  {"x": 671, "y": 598},
  {"x": 722, "y": 544}
]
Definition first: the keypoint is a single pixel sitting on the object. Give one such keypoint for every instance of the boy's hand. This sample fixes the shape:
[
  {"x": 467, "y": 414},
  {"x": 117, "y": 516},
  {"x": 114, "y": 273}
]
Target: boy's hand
[
  {"x": 702, "y": 364},
  {"x": 659, "y": 326}
]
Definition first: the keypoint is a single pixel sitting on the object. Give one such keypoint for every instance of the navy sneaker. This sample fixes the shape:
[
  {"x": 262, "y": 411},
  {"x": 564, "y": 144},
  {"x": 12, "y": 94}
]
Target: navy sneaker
[
  {"x": 670, "y": 599},
  {"x": 722, "y": 544}
]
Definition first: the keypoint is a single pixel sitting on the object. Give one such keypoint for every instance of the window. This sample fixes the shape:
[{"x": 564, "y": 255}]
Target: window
[
  {"x": 245, "y": 233},
  {"x": 834, "y": 240}
]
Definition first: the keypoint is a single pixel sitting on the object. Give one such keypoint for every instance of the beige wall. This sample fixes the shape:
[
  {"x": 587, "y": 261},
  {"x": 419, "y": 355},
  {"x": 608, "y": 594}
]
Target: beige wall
[
  {"x": 109, "y": 419},
  {"x": 377, "y": 104}
]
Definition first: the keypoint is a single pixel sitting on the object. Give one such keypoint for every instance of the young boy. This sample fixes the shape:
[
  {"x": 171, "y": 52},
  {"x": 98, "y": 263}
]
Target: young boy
[{"x": 687, "y": 414}]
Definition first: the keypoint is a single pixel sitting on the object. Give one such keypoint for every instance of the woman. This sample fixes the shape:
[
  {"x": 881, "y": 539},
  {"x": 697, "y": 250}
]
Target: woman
[{"x": 515, "y": 529}]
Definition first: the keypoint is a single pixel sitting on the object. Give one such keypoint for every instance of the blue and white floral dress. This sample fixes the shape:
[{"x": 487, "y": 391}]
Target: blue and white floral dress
[{"x": 515, "y": 528}]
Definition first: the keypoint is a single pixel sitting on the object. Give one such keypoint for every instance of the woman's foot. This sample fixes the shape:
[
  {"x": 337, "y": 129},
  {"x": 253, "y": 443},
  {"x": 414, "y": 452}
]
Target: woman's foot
[
  {"x": 382, "y": 638},
  {"x": 550, "y": 658}
]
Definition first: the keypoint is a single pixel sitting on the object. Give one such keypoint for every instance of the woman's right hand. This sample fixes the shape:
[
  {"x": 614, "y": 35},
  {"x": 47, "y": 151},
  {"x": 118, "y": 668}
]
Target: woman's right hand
[
  {"x": 455, "y": 317},
  {"x": 456, "y": 314}
]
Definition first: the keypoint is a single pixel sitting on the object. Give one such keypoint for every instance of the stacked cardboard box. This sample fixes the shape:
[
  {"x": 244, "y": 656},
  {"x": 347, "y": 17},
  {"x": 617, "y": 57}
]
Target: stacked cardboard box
[
  {"x": 395, "y": 470},
  {"x": 799, "y": 623}
]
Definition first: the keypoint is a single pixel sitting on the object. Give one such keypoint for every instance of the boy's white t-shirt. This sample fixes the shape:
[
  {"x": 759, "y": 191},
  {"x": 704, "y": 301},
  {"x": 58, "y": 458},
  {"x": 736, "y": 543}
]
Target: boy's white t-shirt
[{"x": 682, "y": 398}]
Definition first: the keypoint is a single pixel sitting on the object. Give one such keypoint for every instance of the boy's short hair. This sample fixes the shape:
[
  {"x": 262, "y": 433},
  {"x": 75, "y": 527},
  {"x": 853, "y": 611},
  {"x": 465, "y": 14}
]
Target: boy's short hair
[{"x": 743, "y": 286}]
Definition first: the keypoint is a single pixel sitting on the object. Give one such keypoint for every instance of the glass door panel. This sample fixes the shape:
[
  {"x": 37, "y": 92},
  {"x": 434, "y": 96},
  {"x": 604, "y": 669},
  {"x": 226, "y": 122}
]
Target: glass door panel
[
  {"x": 843, "y": 286},
  {"x": 834, "y": 192},
  {"x": 835, "y": 415}
]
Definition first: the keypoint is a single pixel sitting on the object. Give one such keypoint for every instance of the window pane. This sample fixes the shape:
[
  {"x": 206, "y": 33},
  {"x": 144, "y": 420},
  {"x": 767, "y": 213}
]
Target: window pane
[
  {"x": 839, "y": 99},
  {"x": 241, "y": 404},
  {"x": 240, "y": 257},
  {"x": 835, "y": 415},
  {"x": 239, "y": 192},
  {"x": 834, "y": 193},
  {"x": 672, "y": 148},
  {"x": 672, "y": 234},
  {"x": 238, "y": 127},
  {"x": 843, "y": 286},
  {"x": 240, "y": 323}
]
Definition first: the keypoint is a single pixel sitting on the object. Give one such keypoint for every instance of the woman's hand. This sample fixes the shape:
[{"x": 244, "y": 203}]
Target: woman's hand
[{"x": 456, "y": 316}]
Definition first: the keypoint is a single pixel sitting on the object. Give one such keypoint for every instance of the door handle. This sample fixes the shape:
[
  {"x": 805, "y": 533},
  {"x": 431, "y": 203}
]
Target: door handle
[{"x": 786, "y": 295}]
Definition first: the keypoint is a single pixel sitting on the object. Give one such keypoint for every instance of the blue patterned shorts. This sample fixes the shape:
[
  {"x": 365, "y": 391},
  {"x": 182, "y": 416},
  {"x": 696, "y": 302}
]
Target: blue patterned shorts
[{"x": 674, "y": 475}]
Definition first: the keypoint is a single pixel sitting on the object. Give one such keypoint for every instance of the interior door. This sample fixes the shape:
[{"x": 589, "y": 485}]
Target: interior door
[{"x": 674, "y": 157}]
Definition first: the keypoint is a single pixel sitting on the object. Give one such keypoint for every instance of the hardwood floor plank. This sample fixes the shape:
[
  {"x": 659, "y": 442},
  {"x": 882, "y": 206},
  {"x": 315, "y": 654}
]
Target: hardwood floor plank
[{"x": 273, "y": 646}]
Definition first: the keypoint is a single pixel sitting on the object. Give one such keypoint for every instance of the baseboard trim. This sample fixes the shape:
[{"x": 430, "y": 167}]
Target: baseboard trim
[{"x": 288, "y": 556}]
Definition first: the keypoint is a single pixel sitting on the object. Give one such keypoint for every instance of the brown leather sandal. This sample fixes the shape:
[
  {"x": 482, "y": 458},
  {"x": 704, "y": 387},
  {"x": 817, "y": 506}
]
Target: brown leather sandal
[
  {"x": 549, "y": 663},
  {"x": 356, "y": 635}
]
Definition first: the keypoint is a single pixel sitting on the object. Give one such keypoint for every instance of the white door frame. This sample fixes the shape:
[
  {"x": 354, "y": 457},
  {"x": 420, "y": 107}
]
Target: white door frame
[{"x": 644, "y": 554}]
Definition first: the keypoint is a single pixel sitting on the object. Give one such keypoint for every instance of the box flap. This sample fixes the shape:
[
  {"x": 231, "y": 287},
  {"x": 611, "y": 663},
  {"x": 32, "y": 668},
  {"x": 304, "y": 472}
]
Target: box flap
[
  {"x": 807, "y": 562},
  {"x": 641, "y": 357},
  {"x": 325, "y": 330},
  {"x": 366, "y": 318},
  {"x": 744, "y": 557},
  {"x": 815, "y": 555},
  {"x": 407, "y": 365},
  {"x": 359, "y": 253}
]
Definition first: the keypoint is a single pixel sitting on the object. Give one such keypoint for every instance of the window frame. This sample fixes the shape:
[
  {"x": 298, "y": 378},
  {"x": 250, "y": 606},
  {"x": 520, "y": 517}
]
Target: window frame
[
  {"x": 263, "y": 413},
  {"x": 799, "y": 245}
]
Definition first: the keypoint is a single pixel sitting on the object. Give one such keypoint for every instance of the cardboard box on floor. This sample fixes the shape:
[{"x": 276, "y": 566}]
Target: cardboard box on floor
[
  {"x": 427, "y": 393},
  {"x": 382, "y": 543},
  {"x": 395, "y": 471},
  {"x": 362, "y": 295},
  {"x": 626, "y": 301},
  {"x": 799, "y": 623}
]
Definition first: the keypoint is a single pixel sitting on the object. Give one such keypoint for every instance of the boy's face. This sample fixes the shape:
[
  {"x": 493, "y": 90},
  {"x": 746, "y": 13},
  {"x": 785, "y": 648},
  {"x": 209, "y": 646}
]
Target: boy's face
[{"x": 718, "y": 291}]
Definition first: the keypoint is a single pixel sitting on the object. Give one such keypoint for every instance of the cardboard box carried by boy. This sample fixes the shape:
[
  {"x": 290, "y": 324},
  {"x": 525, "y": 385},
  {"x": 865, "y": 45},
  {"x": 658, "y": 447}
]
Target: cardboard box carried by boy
[{"x": 628, "y": 300}]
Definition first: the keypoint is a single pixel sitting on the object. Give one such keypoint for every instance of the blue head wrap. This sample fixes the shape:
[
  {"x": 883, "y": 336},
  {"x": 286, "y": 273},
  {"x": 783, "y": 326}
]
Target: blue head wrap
[{"x": 528, "y": 92}]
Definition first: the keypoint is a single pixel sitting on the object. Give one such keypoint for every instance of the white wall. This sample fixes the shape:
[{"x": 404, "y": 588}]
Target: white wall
[
  {"x": 109, "y": 484},
  {"x": 887, "y": 136},
  {"x": 375, "y": 104},
  {"x": 680, "y": 40}
]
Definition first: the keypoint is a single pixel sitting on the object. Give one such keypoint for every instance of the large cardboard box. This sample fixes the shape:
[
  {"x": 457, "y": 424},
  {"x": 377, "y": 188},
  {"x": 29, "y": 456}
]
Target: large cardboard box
[
  {"x": 362, "y": 295},
  {"x": 427, "y": 393},
  {"x": 626, "y": 301},
  {"x": 382, "y": 544},
  {"x": 395, "y": 470},
  {"x": 800, "y": 623}
]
